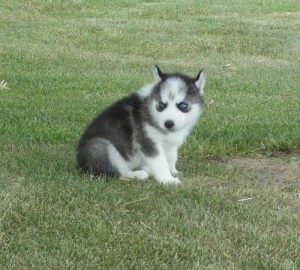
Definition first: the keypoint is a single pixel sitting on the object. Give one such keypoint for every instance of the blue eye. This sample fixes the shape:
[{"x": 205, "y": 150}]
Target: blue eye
[
  {"x": 183, "y": 106},
  {"x": 161, "y": 106}
]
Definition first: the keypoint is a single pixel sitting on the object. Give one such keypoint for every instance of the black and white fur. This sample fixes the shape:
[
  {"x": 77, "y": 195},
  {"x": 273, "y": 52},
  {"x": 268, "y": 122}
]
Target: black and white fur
[{"x": 139, "y": 135}]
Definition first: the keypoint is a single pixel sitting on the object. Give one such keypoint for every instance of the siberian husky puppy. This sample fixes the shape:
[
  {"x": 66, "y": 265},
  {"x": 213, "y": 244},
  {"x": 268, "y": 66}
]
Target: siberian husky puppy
[{"x": 138, "y": 136}]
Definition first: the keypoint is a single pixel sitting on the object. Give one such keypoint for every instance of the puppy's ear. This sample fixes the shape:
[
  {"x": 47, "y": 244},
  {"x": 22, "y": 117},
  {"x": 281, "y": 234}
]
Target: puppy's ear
[
  {"x": 200, "y": 81},
  {"x": 158, "y": 75}
]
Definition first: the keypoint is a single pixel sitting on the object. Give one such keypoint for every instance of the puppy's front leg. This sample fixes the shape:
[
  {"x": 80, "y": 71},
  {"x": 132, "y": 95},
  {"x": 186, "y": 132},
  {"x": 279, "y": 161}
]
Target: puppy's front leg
[
  {"x": 160, "y": 169},
  {"x": 171, "y": 155}
]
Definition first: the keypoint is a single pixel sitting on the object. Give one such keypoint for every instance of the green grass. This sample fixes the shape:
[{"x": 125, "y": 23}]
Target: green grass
[{"x": 64, "y": 61}]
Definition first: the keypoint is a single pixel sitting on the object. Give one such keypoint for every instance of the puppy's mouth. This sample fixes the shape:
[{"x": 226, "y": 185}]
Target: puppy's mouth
[{"x": 173, "y": 129}]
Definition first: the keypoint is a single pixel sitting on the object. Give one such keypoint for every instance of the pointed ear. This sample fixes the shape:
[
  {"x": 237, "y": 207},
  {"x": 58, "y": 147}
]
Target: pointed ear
[
  {"x": 158, "y": 75},
  {"x": 200, "y": 81}
]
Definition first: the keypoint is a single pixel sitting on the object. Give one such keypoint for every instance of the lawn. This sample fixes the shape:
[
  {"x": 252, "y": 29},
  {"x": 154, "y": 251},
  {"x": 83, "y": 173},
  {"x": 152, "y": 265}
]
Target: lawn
[{"x": 62, "y": 62}]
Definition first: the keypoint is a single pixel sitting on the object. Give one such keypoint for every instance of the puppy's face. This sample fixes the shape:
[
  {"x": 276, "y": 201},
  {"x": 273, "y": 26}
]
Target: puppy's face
[{"x": 177, "y": 102}]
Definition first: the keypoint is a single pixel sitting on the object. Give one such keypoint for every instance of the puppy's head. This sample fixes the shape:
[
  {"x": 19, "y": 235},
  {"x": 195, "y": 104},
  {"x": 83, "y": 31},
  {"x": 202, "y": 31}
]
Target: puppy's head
[{"x": 176, "y": 100}]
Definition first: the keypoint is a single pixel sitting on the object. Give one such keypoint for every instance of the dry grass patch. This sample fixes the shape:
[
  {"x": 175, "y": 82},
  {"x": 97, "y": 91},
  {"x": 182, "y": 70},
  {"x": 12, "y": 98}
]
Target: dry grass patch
[{"x": 278, "y": 169}]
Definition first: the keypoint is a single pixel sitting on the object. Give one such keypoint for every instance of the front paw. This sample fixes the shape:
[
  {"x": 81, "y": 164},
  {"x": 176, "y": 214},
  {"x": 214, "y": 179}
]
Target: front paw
[
  {"x": 140, "y": 175},
  {"x": 169, "y": 180},
  {"x": 175, "y": 173}
]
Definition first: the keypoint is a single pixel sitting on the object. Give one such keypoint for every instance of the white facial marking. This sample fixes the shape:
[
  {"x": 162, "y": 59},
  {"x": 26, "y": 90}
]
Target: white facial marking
[{"x": 173, "y": 88}]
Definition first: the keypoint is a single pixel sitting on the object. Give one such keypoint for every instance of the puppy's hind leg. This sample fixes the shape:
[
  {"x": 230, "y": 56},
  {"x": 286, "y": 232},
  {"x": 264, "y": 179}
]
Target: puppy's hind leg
[
  {"x": 120, "y": 163},
  {"x": 139, "y": 174},
  {"x": 99, "y": 157},
  {"x": 93, "y": 157}
]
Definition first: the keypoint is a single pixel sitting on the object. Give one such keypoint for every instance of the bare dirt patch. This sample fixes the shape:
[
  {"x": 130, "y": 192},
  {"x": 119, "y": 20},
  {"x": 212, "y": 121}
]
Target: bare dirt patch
[{"x": 285, "y": 170}]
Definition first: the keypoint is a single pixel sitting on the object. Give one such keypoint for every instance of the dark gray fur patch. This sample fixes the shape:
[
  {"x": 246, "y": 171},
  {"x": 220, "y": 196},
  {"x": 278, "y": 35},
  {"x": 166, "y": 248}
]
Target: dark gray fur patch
[
  {"x": 138, "y": 119},
  {"x": 193, "y": 96},
  {"x": 95, "y": 152}
]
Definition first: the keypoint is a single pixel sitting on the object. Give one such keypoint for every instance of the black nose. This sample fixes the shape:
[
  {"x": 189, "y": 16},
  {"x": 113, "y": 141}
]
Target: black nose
[{"x": 169, "y": 124}]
